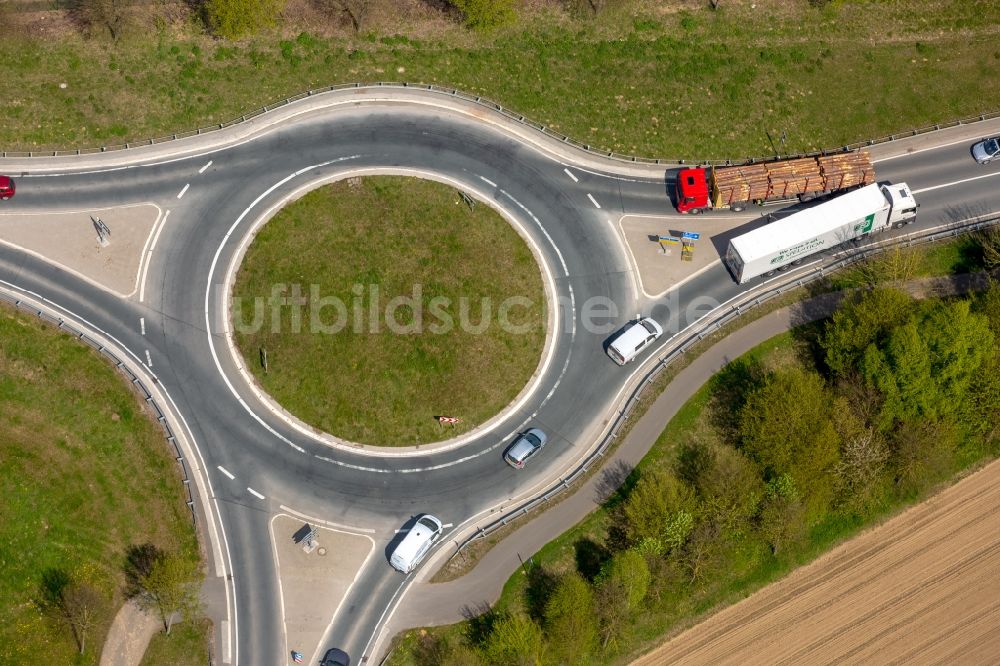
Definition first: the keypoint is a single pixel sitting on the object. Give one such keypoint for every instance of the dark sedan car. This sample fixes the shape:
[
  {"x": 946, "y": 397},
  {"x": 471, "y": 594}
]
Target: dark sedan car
[{"x": 335, "y": 657}]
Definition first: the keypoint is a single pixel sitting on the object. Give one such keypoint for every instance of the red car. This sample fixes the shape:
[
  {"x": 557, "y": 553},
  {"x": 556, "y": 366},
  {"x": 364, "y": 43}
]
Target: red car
[{"x": 6, "y": 187}]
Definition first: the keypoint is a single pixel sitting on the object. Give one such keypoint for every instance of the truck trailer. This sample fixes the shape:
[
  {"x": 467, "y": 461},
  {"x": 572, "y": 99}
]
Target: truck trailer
[
  {"x": 871, "y": 209},
  {"x": 736, "y": 187}
]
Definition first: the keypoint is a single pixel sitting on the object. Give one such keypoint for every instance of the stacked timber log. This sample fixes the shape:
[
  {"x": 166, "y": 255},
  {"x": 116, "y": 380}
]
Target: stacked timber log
[
  {"x": 787, "y": 179},
  {"x": 847, "y": 170}
]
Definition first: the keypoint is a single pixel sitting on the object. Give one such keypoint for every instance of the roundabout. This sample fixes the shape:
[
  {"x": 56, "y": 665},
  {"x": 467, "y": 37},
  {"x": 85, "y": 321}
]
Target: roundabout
[{"x": 382, "y": 303}]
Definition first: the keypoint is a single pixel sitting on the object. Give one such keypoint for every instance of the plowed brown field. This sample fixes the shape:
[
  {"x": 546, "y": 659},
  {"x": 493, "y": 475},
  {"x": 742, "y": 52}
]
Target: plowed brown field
[{"x": 922, "y": 588}]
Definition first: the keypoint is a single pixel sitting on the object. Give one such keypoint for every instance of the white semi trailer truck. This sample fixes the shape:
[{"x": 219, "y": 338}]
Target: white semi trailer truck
[{"x": 867, "y": 210}]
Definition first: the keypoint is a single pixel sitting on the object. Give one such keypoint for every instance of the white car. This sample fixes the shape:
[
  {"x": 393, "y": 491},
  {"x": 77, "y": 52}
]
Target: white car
[
  {"x": 633, "y": 339},
  {"x": 986, "y": 150},
  {"x": 416, "y": 543}
]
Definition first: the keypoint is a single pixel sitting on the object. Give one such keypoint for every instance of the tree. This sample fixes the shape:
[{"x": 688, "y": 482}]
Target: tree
[
  {"x": 782, "y": 515},
  {"x": 988, "y": 240},
  {"x": 894, "y": 265},
  {"x": 83, "y": 607},
  {"x": 170, "y": 587},
  {"x": 922, "y": 451},
  {"x": 233, "y": 19},
  {"x": 356, "y": 11},
  {"x": 726, "y": 482},
  {"x": 787, "y": 427},
  {"x": 621, "y": 587},
  {"x": 514, "y": 641},
  {"x": 863, "y": 455},
  {"x": 702, "y": 550},
  {"x": 656, "y": 500},
  {"x": 862, "y": 321},
  {"x": 570, "y": 625},
  {"x": 109, "y": 14},
  {"x": 486, "y": 14}
]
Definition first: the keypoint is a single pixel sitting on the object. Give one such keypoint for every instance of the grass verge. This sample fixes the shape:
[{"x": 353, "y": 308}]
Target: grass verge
[
  {"x": 84, "y": 473},
  {"x": 352, "y": 365},
  {"x": 656, "y": 79},
  {"x": 187, "y": 645}
]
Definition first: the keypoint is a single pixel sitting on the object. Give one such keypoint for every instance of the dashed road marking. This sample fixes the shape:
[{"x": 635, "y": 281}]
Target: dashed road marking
[
  {"x": 149, "y": 359},
  {"x": 183, "y": 190},
  {"x": 571, "y": 175},
  {"x": 142, "y": 325},
  {"x": 957, "y": 182},
  {"x": 487, "y": 181},
  {"x": 254, "y": 493},
  {"x": 202, "y": 170},
  {"x": 593, "y": 200},
  {"x": 226, "y": 472}
]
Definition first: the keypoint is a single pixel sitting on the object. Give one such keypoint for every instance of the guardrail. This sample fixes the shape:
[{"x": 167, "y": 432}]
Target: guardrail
[
  {"x": 706, "y": 326},
  {"x": 510, "y": 114},
  {"x": 135, "y": 380}
]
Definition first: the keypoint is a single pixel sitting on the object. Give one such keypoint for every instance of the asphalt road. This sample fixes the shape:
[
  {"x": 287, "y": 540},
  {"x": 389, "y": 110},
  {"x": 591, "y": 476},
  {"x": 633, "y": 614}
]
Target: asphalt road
[{"x": 274, "y": 464}]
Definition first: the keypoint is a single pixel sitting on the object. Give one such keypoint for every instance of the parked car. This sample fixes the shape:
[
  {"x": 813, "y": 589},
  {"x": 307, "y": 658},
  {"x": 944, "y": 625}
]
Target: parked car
[
  {"x": 335, "y": 657},
  {"x": 416, "y": 543},
  {"x": 633, "y": 339},
  {"x": 6, "y": 187},
  {"x": 525, "y": 446},
  {"x": 986, "y": 150}
]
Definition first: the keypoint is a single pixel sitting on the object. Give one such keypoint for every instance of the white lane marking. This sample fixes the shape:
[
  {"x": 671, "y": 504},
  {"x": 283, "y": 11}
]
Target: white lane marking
[
  {"x": 329, "y": 523},
  {"x": 254, "y": 493},
  {"x": 148, "y": 258},
  {"x": 545, "y": 231},
  {"x": 570, "y": 174},
  {"x": 957, "y": 182},
  {"x": 202, "y": 170},
  {"x": 226, "y": 472},
  {"x": 208, "y": 296},
  {"x": 487, "y": 181},
  {"x": 183, "y": 190},
  {"x": 149, "y": 359},
  {"x": 922, "y": 150},
  {"x": 142, "y": 325},
  {"x": 593, "y": 200},
  {"x": 227, "y": 645},
  {"x": 448, "y": 525}
]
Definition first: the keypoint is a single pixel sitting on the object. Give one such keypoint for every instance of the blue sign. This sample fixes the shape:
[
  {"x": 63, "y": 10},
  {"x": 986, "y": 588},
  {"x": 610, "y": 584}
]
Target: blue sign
[{"x": 690, "y": 236}]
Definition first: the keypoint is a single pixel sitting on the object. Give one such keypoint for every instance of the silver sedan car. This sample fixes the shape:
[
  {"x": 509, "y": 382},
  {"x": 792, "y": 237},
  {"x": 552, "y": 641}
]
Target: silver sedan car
[
  {"x": 525, "y": 446},
  {"x": 986, "y": 150}
]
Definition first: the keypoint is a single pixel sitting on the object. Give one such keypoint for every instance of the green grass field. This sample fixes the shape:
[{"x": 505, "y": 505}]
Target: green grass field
[
  {"x": 187, "y": 645},
  {"x": 365, "y": 380},
  {"x": 654, "y": 79},
  {"x": 84, "y": 474}
]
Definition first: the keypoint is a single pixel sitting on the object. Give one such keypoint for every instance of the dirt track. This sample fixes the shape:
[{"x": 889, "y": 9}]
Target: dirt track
[{"x": 922, "y": 588}]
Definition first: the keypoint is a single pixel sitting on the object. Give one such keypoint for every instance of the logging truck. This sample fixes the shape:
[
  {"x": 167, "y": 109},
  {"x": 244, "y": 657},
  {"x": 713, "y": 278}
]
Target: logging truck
[{"x": 736, "y": 187}]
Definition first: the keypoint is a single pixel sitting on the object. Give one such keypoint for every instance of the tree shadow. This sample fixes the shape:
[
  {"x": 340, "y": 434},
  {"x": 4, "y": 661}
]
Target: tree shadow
[
  {"x": 541, "y": 584},
  {"x": 50, "y": 589},
  {"x": 590, "y": 557},
  {"x": 729, "y": 390},
  {"x": 612, "y": 479},
  {"x": 139, "y": 561},
  {"x": 481, "y": 619}
]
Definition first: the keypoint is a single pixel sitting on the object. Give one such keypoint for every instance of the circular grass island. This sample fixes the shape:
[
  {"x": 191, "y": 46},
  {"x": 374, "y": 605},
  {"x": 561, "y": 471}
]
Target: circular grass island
[{"x": 372, "y": 306}]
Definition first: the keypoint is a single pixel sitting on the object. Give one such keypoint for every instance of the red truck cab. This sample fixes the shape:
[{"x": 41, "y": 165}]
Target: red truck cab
[
  {"x": 6, "y": 187},
  {"x": 692, "y": 191}
]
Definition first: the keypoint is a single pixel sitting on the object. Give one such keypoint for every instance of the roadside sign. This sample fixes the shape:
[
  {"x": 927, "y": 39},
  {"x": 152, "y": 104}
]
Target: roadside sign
[
  {"x": 669, "y": 240},
  {"x": 447, "y": 419},
  {"x": 689, "y": 235}
]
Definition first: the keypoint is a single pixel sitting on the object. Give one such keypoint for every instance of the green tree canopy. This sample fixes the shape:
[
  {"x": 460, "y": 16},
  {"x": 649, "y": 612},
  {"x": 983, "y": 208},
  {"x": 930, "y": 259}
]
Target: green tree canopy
[
  {"x": 514, "y": 641},
  {"x": 654, "y": 503},
  {"x": 233, "y": 19},
  {"x": 787, "y": 427},
  {"x": 861, "y": 321},
  {"x": 486, "y": 14},
  {"x": 570, "y": 623}
]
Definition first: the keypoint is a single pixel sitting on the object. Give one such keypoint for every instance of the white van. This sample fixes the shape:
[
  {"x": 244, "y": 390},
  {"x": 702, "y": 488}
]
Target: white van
[
  {"x": 633, "y": 339},
  {"x": 416, "y": 543}
]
